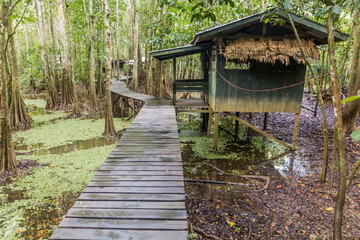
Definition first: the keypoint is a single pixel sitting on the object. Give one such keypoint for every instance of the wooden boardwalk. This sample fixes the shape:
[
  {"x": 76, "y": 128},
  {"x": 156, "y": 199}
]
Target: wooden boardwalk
[{"x": 138, "y": 192}]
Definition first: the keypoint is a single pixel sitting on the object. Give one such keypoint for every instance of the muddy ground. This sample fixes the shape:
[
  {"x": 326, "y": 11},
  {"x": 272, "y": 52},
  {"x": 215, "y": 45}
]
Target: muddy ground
[{"x": 292, "y": 206}]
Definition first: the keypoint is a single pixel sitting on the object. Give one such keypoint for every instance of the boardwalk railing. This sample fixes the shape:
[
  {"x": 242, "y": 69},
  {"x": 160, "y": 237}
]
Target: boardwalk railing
[{"x": 189, "y": 85}]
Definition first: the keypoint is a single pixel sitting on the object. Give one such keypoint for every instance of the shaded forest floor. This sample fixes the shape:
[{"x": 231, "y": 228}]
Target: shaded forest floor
[{"x": 292, "y": 206}]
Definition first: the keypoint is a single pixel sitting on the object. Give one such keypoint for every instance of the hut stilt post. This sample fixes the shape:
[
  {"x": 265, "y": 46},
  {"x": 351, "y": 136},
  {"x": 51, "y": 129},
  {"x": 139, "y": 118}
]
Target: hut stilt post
[
  {"x": 250, "y": 117},
  {"x": 174, "y": 79},
  {"x": 208, "y": 130},
  {"x": 266, "y": 120},
  {"x": 237, "y": 126},
  {"x": 216, "y": 131},
  {"x": 296, "y": 126},
  {"x": 133, "y": 112}
]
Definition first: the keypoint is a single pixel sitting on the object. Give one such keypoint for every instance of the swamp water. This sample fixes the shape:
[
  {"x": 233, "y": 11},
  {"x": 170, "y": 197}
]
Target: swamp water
[
  {"x": 67, "y": 153},
  {"x": 244, "y": 163}
]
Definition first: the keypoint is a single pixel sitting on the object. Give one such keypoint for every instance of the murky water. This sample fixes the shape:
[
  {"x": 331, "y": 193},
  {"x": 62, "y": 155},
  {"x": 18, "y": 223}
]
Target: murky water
[
  {"x": 250, "y": 154},
  {"x": 73, "y": 146}
]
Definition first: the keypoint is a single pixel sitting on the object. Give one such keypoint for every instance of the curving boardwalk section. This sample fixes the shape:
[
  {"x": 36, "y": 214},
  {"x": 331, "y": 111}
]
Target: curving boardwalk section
[{"x": 138, "y": 192}]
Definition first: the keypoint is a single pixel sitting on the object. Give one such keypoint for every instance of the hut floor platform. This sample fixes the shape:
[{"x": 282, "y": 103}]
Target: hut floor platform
[
  {"x": 138, "y": 192},
  {"x": 190, "y": 103}
]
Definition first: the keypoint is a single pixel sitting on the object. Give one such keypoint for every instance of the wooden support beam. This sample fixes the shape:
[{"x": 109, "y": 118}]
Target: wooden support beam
[
  {"x": 133, "y": 112},
  {"x": 208, "y": 133},
  {"x": 216, "y": 131},
  {"x": 296, "y": 126},
  {"x": 266, "y": 120},
  {"x": 250, "y": 116},
  {"x": 258, "y": 130},
  {"x": 174, "y": 79},
  {"x": 193, "y": 110}
]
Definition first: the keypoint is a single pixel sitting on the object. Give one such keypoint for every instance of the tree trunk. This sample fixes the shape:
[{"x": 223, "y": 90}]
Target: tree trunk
[
  {"x": 117, "y": 40},
  {"x": 352, "y": 108},
  {"x": 7, "y": 153},
  {"x": 135, "y": 78},
  {"x": 52, "y": 98},
  {"x": 92, "y": 92},
  {"x": 320, "y": 99},
  {"x": 340, "y": 197},
  {"x": 67, "y": 92},
  {"x": 53, "y": 68},
  {"x": 76, "y": 107},
  {"x": 109, "y": 121},
  {"x": 19, "y": 117}
]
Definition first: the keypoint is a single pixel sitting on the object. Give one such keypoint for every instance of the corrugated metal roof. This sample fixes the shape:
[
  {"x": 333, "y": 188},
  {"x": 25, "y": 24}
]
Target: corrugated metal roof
[
  {"x": 311, "y": 28},
  {"x": 180, "y": 51}
]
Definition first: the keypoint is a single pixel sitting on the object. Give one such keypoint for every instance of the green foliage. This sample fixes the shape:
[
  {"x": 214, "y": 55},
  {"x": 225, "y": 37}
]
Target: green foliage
[
  {"x": 356, "y": 135},
  {"x": 352, "y": 98}
]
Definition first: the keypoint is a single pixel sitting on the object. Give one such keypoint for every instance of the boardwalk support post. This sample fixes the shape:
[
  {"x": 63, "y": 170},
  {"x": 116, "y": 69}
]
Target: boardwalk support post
[
  {"x": 216, "y": 131},
  {"x": 174, "y": 79},
  {"x": 208, "y": 133},
  {"x": 237, "y": 126},
  {"x": 258, "y": 130},
  {"x": 266, "y": 120},
  {"x": 296, "y": 126},
  {"x": 133, "y": 112}
]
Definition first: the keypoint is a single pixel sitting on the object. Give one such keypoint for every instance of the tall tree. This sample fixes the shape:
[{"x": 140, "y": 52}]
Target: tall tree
[
  {"x": 52, "y": 99},
  {"x": 109, "y": 120},
  {"x": 92, "y": 90},
  {"x": 7, "y": 153},
  {"x": 135, "y": 24},
  {"x": 67, "y": 91},
  {"x": 72, "y": 57},
  {"x": 117, "y": 65},
  {"x": 53, "y": 61},
  {"x": 352, "y": 108},
  {"x": 19, "y": 117},
  {"x": 339, "y": 134}
]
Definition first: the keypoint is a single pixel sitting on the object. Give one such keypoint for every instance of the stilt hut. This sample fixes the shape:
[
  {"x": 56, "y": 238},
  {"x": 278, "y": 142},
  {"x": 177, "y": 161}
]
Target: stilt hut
[{"x": 250, "y": 66}]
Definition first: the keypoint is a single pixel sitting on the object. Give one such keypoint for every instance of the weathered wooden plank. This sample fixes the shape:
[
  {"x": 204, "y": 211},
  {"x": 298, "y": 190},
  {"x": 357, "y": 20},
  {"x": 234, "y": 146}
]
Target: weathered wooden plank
[
  {"x": 137, "y": 178},
  {"x": 146, "y": 140},
  {"x": 131, "y": 151},
  {"x": 136, "y": 184},
  {"x": 128, "y": 224},
  {"x": 141, "y": 168},
  {"x": 147, "y": 148},
  {"x": 132, "y": 197},
  {"x": 137, "y": 155},
  {"x": 131, "y": 190},
  {"x": 139, "y": 173},
  {"x": 130, "y": 205},
  {"x": 92, "y": 234},
  {"x": 142, "y": 158},
  {"x": 120, "y": 162},
  {"x": 155, "y": 214}
]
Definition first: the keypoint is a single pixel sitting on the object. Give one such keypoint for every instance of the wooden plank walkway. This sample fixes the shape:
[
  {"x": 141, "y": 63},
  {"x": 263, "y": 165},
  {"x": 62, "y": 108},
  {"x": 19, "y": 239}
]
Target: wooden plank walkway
[{"x": 138, "y": 192}]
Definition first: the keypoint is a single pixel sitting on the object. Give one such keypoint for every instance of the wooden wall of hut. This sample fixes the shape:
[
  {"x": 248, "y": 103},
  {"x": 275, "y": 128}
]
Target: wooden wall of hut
[{"x": 223, "y": 97}]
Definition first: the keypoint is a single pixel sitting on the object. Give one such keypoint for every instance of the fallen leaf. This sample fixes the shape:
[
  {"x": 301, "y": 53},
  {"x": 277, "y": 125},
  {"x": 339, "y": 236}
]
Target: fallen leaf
[
  {"x": 279, "y": 186},
  {"x": 329, "y": 209}
]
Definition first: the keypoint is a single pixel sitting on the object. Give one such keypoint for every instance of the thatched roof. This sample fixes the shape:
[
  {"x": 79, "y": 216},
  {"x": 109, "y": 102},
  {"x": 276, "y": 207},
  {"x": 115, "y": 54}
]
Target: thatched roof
[{"x": 268, "y": 51}]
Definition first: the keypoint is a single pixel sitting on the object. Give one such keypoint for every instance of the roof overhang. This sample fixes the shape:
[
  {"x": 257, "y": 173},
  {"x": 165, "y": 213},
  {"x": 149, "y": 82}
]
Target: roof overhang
[
  {"x": 180, "y": 51},
  {"x": 309, "y": 28}
]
